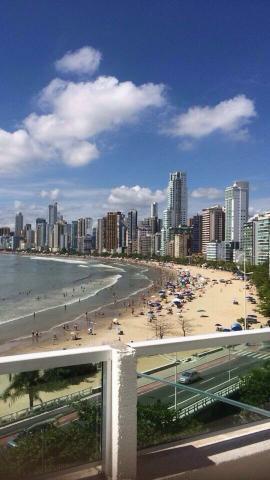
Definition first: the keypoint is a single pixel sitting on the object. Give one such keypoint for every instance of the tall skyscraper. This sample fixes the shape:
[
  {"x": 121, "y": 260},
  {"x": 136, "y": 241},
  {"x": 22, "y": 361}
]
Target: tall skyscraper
[
  {"x": 213, "y": 225},
  {"x": 111, "y": 231},
  {"x": 74, "y": 234},
  {"x": 154, "y": 210},
  {"x": 53, "y": 214},
  {"x": 176, "y": 212},
  {"x": 132, "y": 231},
  {"x": 196, "y": 223},
  {"x": 236, "y": 211},
  {"x": 177, "y": 198},
  {"x": 18, "y": 224},
  {"x": 41, "y": 233},
  {"x": 101, "y": 235}
]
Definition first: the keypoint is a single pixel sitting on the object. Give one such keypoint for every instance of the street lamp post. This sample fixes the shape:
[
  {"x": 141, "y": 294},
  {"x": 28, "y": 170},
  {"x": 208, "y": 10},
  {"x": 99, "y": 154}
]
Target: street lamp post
[
  {"x": 245, "y": 288},
  {"x": 175, "y": 381}
]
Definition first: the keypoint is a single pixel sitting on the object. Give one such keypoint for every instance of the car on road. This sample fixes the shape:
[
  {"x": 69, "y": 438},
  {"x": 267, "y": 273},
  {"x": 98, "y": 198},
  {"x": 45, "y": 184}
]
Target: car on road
[
  {"x": 189, "y": 376},
  {"x": 35, "y": 428}
]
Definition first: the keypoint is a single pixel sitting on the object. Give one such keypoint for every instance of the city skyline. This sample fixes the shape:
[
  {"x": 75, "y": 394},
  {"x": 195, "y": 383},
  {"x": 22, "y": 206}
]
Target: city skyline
[
  {"x": 192, "y": 102},
  {"x": 216, "y": 232}
]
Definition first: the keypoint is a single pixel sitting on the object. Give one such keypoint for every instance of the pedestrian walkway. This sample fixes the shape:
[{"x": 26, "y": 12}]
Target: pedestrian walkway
[{"x": 259, "y": 355}]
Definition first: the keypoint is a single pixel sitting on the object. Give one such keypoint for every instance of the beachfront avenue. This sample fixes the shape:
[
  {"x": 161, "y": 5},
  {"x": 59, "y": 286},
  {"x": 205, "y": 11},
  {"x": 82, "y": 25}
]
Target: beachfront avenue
[{"x": 217, "y": 371}]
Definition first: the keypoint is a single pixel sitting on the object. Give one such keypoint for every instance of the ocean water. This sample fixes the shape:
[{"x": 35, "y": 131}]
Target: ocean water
[{"x": 43, "y": 292}]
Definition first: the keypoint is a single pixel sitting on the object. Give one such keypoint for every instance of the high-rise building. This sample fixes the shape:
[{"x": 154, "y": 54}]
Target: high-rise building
[
  {"x": 111, "y": 241},
  {"x": 196, "y": 223},
  {"x": 177, "y": 198},
  {"x": 121, "y": 232},
  {"x": 176, "y": 212},
  {"x": 144, "y": 241},
  {"x": 236, "y": 211},
  {"x": 18, "y": 224},
  {"x": 132, "y": 225},
  {"x": 182, "y": 242},
  {"x": 132, "y": 231},
  {"x": 4, "y": 231},
  {"x": 41, "y": 225},
  {"x": 154, "y": 210},
  {"x": 53, "y": 214},
  {"x": 101, "y": 235},
  {"x": 256, "y": 239},
  {"x": 213, "y": 225},
  {"x": 74, "y": 234}
]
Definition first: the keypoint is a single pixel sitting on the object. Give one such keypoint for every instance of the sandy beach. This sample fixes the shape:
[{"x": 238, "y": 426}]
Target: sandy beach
[{"x": 212, "y": 304}]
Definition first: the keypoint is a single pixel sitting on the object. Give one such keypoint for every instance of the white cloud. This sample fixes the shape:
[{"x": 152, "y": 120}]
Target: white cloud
[
  {"x": 17, "y": 148},
  {"x": 229, "y": 117},
  {"x": 82, "y": 61},
  {"x": 18, "y": 204},
  {"x": 209, "y": 192},
  {"x": 76, "y": 113},
  {"x": 51, "y": 194},
  {"x": 135, "y": 196}
]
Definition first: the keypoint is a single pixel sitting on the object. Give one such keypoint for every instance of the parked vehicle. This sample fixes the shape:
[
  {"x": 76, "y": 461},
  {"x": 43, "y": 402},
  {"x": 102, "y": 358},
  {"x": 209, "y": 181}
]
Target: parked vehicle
[{"x": 252, "y": 319}]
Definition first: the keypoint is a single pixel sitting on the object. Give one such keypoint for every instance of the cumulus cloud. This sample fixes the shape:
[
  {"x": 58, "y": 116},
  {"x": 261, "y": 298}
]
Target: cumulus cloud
[
  {"x": 51, "y": 194},
  {"x": 18, "y": 204},
  {"x": 73, "y": 114},
  {"x": 209, "y": 192},
  {"x": 228, "y": 117},
  {"x": 135, "y": 196},
  {"x": 17, "y": 148},
  {"x": 86, "y": 60}
]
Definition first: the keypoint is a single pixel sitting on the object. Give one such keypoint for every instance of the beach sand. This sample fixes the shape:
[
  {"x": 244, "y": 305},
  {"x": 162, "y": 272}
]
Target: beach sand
[{"x": 216, "y": 301}]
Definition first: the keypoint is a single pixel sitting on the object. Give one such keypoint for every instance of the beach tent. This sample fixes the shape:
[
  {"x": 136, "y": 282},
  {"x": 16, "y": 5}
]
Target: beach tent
[
  {"x": 235, "y": 327},
  {"x": 176, "y": 300}
]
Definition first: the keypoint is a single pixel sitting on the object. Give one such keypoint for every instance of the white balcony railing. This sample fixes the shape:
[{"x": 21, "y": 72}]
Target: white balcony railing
[{"x": 119, "y": 388}]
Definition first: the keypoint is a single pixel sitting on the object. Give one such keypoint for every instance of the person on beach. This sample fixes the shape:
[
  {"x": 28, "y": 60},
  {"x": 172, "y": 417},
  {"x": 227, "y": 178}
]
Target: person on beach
[
  {"x": 33, "y": 336},
  {"x": 37, "y": 336},
  {"x": 65, "y": 307},
  {"x": 34, "y": 314}
]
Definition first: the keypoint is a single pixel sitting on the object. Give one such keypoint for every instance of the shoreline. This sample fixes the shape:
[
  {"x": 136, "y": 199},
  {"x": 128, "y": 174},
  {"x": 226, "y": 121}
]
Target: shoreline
[
  {"x": 134, "y": 325},
  {"x": 101, "y": 315}
]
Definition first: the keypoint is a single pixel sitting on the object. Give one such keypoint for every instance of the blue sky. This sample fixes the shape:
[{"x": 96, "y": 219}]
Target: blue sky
[{"x": 101, "y": 100}]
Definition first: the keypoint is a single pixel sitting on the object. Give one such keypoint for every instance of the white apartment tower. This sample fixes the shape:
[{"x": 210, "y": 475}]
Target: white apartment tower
[
  {"x": 154, "y": 210},
  {"x": 236, "y": 211},
  {"x": 176, "y": 211},
  {"x": 177, "y": 198}
]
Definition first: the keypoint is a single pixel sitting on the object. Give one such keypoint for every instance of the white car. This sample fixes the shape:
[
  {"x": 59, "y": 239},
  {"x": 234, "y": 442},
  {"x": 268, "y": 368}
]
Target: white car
[{"x": 189, "y": 376}]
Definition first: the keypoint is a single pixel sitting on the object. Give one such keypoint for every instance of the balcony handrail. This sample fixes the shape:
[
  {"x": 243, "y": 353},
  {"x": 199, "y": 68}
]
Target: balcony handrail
[
  {"x": 181, "y": 344},
  {"x": 79, "y": 356},
  {"x": 54, "y": 358}
]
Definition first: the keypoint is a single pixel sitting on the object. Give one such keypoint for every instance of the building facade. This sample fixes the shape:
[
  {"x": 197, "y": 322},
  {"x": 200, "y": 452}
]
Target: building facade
[
  {"x": 236, "y": 211},
  {"x": 213, "y": 226}
]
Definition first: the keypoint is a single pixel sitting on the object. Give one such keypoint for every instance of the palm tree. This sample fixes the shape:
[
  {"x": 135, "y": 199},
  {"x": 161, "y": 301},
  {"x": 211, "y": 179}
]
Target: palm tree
[
  {"x": 32, "y": 383},
  {"x": 25, "y": 383}
]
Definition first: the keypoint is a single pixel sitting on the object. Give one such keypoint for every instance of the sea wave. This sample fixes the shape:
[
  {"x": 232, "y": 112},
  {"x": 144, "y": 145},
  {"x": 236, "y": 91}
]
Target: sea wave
[
  {"x": 60, "y": 260},
  {"x": 104, "y": 265},
  {"x": 112, "y": 281}
]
